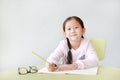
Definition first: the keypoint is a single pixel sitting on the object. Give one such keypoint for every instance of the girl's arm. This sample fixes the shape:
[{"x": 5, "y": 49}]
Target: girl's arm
[
  {"x": 73, "y": 66},
  {"x": 55, "y": 57}
]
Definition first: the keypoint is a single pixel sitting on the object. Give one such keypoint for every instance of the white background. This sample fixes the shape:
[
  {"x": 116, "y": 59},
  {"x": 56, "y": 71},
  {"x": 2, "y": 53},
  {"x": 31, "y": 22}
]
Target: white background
[{"x": 36, "y": 25}]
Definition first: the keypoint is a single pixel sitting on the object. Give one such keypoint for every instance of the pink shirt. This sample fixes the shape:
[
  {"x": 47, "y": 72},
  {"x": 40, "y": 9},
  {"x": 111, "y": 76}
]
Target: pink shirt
[{"x": 85, "y": 56}]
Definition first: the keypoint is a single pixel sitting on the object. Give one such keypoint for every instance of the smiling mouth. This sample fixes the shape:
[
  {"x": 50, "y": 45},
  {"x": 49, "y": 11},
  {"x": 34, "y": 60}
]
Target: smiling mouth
[{"x": 74, "y": 35}]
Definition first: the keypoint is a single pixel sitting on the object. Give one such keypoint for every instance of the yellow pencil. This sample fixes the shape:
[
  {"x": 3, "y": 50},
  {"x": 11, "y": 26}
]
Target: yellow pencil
[{"x": 40, "y": 57}]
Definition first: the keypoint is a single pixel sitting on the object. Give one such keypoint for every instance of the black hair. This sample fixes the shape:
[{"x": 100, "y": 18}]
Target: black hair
[{"x": 69, "y": 57}]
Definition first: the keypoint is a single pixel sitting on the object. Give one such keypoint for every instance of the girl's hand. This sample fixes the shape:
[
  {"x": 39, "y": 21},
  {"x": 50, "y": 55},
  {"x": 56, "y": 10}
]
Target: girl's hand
[{"x": 51, "y": 67}]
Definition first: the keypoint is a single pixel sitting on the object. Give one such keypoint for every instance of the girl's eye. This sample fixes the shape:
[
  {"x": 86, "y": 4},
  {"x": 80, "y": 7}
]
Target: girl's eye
[
  {"x": 69, "y": 29},
  {"x": 75, "y": 27}
]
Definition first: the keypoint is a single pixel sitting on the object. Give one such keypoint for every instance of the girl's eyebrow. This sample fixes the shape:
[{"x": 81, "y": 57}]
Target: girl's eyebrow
[
  {"x": 71, "y": 26},
  {"x": 68, "y": 26}
]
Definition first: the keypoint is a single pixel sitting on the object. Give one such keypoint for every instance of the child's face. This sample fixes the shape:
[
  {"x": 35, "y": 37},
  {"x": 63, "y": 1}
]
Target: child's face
[{"x": 73, "y": 30}]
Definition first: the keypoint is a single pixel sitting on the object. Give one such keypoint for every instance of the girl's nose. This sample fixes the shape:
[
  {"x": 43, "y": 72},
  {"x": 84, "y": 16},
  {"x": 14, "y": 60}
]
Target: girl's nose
[{"x": 72, "y": 30}]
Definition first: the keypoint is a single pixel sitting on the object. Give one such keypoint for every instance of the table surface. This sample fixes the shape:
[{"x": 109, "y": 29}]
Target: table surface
[{"x": 104, "y": 73}]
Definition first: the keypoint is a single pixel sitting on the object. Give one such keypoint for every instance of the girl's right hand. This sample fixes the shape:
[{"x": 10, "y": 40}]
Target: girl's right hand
[{"x": 51, "y": 67}]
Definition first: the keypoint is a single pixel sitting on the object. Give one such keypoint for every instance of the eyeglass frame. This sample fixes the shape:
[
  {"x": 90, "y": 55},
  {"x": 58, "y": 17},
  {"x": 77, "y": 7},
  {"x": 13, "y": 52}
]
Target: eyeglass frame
[{"x": 27, "y": 71}]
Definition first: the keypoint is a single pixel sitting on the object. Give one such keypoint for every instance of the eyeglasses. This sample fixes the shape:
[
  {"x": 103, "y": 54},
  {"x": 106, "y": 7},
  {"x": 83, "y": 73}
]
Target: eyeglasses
[{"x": 24, "y": 70}]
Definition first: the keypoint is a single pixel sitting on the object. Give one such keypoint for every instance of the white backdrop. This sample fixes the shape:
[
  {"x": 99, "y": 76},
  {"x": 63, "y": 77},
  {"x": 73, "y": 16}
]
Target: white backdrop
[{"x": 36, "y": 25}]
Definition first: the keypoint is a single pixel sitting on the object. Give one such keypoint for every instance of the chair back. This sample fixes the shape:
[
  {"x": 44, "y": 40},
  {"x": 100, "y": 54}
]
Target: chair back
[{"x": 99, "y": 45}]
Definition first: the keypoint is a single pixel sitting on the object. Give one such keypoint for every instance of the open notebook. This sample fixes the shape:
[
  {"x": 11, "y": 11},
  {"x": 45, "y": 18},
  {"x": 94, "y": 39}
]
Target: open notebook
[{"x": 90, "y": 71}]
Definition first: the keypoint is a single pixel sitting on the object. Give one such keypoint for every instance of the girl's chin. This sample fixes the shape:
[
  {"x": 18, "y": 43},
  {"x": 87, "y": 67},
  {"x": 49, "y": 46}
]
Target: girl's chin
[{"x": 73, "y": 38}]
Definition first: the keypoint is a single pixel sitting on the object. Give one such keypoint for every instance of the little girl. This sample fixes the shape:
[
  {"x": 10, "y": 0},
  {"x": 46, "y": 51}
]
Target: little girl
[{"x": 74, "y": 51}]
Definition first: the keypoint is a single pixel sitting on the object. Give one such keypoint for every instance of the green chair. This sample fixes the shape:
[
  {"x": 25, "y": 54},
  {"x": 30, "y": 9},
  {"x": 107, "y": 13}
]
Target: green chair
[{"x": 99, "y": 45}]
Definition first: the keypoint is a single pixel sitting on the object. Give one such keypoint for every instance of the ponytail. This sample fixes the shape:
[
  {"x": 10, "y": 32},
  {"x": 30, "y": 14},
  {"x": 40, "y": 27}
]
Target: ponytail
[{"x": 69, "y": 57}]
